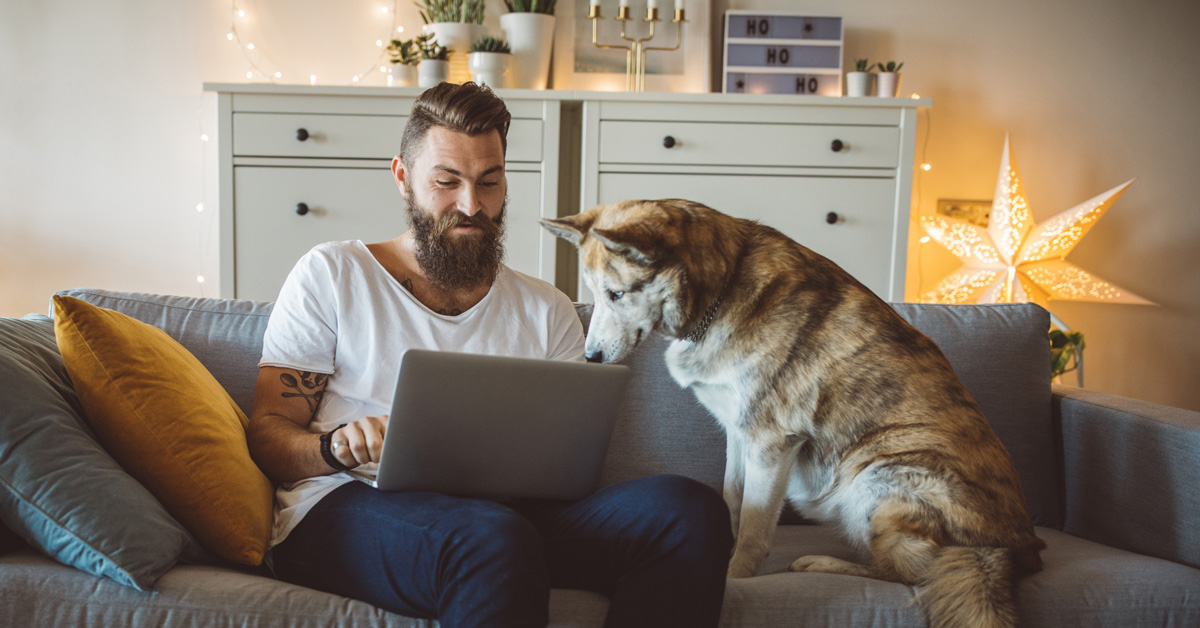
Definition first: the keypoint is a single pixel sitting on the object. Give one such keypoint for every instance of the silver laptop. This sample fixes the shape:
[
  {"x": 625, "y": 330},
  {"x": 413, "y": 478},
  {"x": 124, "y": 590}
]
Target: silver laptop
[{"x": 499, "y": 427}]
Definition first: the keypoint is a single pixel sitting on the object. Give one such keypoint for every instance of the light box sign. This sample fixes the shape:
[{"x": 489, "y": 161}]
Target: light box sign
[{"x": 782, "y": 53}]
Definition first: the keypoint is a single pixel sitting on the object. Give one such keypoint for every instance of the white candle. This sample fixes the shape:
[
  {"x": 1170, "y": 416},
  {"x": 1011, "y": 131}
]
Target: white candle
[
  {"x": 595, "y": 3},
  {"x": 651, "y": 4},
  {"x": 624, "y": 3}
]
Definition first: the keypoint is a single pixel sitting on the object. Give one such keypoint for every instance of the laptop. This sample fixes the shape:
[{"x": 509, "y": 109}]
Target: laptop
[{"x": 499, "y": 427}]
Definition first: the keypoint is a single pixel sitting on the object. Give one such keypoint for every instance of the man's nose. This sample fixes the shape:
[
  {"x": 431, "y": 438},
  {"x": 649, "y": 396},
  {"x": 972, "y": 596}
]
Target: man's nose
[{"x": 468, "y": 200}]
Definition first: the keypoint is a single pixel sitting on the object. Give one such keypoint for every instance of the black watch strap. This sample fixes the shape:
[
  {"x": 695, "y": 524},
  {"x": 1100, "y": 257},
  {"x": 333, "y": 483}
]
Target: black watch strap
[{"x": 327, "y": 450}]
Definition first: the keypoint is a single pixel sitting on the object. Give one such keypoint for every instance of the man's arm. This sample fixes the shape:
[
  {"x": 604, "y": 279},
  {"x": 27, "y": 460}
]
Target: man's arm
[{"x": 285, "y": 401}]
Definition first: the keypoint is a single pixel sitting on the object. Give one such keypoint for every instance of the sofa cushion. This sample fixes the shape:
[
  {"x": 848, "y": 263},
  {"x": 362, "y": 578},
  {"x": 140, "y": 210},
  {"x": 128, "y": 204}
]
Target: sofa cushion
[
  {"x": 1002, "y": 354},
  {"x": 225, "y": 335},
  {"x": 170, "y": 424},
  {"x": 58, "y": 488}
]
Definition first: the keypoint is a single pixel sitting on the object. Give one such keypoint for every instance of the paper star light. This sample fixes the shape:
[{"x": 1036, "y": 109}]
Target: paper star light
[{"x": 1015, "y": 260}]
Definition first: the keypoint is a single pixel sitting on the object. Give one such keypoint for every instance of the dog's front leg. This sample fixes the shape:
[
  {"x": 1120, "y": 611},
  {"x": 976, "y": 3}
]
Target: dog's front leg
[
  {"x": 766, "y": 472},
  {"x": 735, "y": 476}
]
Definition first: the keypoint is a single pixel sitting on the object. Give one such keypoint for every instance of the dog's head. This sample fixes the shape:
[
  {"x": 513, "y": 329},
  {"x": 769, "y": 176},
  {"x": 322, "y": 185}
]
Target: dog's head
[{"x": 632, "y": 264}]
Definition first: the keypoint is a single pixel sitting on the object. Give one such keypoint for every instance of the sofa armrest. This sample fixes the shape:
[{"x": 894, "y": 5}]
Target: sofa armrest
[{"x": 1131, "y": 473}]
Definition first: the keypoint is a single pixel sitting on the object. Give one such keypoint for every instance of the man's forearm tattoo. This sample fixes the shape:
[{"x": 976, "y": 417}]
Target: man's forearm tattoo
[{"x": 305, "y": 386}]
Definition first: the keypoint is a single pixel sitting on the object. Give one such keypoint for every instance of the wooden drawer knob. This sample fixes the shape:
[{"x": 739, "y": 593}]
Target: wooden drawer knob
[
  {"x": 837, "y": 146},
  {"x": 832, "y": 218},
  {"x": 301, "y": 134},
  {"x": 301, "y": 208},
  {"x": 668, "y": 142}
]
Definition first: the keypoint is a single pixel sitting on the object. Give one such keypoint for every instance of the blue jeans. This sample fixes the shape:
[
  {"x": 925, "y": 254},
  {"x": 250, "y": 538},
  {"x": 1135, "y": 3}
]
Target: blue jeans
[{"x": 657, "y": 547}]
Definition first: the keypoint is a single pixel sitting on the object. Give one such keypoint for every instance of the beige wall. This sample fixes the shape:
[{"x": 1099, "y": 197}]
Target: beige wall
[{"x": 101, "y": 166}]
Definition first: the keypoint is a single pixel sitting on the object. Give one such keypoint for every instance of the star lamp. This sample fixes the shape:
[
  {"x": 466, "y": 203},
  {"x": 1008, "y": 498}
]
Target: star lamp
[{"x": 1016, "y": 260}]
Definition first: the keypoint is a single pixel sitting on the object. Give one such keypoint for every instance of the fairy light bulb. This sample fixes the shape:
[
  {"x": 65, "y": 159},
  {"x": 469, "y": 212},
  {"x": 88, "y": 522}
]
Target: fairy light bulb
[
  {"x": 241, "y": 13},
  {"x": 379, "y": 43},
  {"x": 249, "y": 46},
  {"x": 229, "y": 36},
  {"x": 926, "y": 167},
  {"x": 204, "y": 137},
  {"x": 399, "y": 29},
  {"x": 355, "y": 78},
  {"x": 250, "y": 75},
  {"x": 312, "y": 80},
  {"x": 199, "y": 208},
  {"x": 199, "y": 278},
  {"x": 383, "y": 9},
  {"x": 279, "y": 75}
]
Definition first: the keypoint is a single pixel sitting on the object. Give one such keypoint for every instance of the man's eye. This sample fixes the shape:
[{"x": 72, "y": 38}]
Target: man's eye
[
  {"x": 615, "y": 295},
  {"x": 489, "y": 184},
  {"x": 446, "y": 183}
]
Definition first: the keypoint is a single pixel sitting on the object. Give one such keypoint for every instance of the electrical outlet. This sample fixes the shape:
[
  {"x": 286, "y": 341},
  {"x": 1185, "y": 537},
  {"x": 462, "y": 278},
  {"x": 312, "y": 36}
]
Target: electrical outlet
[{"x": 974, "y": 212}]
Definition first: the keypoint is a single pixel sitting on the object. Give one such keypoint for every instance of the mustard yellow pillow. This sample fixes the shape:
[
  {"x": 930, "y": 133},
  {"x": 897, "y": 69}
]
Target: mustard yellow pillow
[{"x": 167, "y": 421}]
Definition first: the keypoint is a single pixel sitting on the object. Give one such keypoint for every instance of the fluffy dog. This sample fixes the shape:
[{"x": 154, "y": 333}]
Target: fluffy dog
[{"x": 828, "y": 399}]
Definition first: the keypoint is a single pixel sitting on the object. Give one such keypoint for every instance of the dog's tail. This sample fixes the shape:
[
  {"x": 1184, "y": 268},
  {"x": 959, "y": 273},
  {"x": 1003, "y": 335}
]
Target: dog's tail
[{"x": 970, "y": 587}]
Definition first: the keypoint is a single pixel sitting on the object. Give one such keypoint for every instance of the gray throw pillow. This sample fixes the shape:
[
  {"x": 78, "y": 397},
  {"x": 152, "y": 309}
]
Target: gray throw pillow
[{"x": 59, "y": 490}]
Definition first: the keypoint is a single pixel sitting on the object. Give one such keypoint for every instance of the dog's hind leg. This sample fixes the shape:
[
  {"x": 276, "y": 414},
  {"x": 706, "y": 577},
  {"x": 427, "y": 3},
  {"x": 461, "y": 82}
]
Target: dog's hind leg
[
  {"x": 735, "y": 476},
  {"x": 767, "y": 470}
]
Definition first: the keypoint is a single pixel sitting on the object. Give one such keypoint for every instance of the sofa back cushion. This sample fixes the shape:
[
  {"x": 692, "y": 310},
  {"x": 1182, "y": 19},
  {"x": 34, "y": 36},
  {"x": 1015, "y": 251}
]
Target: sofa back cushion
[
  {"x": 1000, "y": 352},
  {"x": 224, "y": 334}
]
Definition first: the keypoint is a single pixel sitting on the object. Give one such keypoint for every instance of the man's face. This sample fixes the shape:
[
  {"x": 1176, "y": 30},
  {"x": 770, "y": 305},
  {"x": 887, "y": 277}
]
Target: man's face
[{"x": 456, "y": 195}]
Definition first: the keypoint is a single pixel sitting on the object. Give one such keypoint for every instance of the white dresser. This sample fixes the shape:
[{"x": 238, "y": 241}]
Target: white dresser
[
  {"x": 302, "y": 165},
  {"x": 831, "y": 173}
]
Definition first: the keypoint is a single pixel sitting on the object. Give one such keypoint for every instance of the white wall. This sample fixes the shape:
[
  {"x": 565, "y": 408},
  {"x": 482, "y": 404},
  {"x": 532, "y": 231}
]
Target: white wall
[{"x": 101, "y": 166}]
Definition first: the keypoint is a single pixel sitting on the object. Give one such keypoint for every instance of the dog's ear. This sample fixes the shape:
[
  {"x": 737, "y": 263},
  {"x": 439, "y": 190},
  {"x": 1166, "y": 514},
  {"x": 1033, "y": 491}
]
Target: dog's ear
[
  {"x": 635, "y": 243},
  {"x": 573, "y": 229}
]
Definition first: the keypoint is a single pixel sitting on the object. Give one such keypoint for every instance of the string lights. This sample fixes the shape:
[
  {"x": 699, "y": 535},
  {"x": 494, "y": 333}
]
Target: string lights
[{"x": 238, "y": 14}]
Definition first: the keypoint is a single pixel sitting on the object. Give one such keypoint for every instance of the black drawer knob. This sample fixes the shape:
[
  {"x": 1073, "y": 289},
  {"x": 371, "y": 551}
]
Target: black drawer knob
[
  {"x": 301, "y": 208},
  {"x": 837, "y": 146},
  {"x": 668, "y": 142},
  {"x": 832, "y": 218},
  {"x": 301, "y": 134}
]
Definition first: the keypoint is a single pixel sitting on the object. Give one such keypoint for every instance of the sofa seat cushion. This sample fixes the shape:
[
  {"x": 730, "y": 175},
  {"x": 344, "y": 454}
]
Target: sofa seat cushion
[
  {"x": 1084, "y": 584},
  {"x": 39, "y": 592}
]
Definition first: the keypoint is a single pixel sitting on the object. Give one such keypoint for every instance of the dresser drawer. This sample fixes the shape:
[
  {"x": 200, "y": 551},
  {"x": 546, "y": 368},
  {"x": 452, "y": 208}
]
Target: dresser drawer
[
  {"x": 350, "y": 136},
  {"x": 860, "y": 240},
  {"x": 741, "y": 144}
]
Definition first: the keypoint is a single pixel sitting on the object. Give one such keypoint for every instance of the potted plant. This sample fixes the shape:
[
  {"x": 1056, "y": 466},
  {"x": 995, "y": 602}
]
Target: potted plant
[
  {"x": 434, "y": 66},
  {"x": 488, "y": 60},
  {"x": 454, "y": 24},
  {"x": 887, "y": 82},
  {"x": 529, "y": 28},
  {"x": 405, "y": 55},
  {"x": 858, "y": 82}
]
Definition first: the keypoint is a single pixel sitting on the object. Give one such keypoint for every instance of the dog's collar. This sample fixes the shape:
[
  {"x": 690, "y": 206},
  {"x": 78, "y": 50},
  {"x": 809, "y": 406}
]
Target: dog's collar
[{"x": 696, "y": 334}]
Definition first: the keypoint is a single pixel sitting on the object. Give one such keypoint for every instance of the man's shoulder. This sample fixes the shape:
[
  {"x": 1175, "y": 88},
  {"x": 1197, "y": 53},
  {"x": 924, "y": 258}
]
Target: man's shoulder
[{"x": 530, "y": 288}]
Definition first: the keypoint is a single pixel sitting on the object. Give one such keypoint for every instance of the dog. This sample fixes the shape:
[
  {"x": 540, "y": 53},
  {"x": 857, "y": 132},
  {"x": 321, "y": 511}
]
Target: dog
[{"x": 828, "y": 398}]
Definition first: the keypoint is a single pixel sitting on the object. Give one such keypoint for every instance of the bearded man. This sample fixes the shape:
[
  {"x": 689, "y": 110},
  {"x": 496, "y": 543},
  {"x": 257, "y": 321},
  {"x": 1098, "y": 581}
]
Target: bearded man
[{"x": 657, "y": 546}]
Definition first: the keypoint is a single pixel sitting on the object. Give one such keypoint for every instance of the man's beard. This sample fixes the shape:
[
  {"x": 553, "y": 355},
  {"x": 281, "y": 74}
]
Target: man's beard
[{"x": 456, "y": 262}]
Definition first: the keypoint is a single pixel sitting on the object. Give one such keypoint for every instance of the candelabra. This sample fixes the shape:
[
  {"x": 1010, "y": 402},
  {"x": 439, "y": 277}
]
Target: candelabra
[{"x": 635, "y": 50}]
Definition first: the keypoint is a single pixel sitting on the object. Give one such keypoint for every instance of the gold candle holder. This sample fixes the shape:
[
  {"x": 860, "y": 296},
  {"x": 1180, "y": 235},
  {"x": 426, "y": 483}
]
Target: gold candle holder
[{"x": 635, "y": 50}]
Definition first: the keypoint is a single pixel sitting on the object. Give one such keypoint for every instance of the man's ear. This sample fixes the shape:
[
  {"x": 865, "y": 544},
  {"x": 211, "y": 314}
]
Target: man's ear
[
  {"x": 400, "y": 173},
  {"x": 573, "y": 229},
  {"x": 636, "y": 243}
]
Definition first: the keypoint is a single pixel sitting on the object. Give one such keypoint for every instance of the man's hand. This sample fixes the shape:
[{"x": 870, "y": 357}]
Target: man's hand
[{"x": 359, "y": 442}]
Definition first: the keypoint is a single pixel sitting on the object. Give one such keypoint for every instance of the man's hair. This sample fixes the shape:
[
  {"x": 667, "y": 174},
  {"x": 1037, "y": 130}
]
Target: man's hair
[{"x": 468, "y": 108}]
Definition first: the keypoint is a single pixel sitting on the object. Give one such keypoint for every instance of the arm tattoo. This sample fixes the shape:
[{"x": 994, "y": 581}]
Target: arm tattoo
[{"x": 308, "y": 381}]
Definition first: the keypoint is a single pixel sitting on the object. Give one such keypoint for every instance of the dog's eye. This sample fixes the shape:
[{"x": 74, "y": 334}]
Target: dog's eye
[{"x": 615, "y": 296}]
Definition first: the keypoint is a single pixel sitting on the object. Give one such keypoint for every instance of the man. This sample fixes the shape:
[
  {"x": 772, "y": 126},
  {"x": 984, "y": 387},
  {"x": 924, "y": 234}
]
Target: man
[{"x": 658, "y": 547}]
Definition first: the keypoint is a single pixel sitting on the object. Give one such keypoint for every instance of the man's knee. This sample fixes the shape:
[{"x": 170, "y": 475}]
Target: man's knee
[
  {"x": 687, "y": 505},
  {"x": 494, "y": 533}
]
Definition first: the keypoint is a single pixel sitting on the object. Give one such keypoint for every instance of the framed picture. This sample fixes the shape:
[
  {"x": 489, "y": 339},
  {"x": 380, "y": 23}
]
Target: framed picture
[{"x": 578, "y": 64}]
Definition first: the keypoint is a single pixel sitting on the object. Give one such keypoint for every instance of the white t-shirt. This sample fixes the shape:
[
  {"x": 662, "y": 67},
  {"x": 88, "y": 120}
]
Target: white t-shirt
[{"x": 341, "y": 313}]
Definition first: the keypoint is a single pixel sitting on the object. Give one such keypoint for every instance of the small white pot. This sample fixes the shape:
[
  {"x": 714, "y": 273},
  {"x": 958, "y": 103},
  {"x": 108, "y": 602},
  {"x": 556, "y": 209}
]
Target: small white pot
[
  {"x": 887, "y": 84},
  {"x": 456, "y": 37},
  {"x": 487, "y": 68},
  {"x": 402, "y": 75},
  {"x": 531, "y": 38},
  {"x": 858, "y": 84},
  {"x": 430, "y": 72}
]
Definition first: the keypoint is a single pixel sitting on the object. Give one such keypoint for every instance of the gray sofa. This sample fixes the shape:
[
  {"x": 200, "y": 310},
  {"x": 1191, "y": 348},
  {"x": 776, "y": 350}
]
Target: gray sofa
[{"x": 1113, "y": 485}]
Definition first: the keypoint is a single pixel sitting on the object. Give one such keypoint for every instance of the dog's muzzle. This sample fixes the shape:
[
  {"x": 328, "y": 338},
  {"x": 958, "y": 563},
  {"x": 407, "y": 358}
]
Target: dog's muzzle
[{"x": 594, "y": 356}]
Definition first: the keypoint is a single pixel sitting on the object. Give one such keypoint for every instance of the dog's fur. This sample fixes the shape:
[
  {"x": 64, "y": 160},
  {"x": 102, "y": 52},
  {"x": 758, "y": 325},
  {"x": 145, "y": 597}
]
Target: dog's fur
[{"x": 827, "y": 397}]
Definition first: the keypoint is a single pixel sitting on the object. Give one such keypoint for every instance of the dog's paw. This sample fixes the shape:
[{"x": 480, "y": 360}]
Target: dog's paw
[
  {"x": 739, "y": 570},
  {"x": 828, "y": 564}
]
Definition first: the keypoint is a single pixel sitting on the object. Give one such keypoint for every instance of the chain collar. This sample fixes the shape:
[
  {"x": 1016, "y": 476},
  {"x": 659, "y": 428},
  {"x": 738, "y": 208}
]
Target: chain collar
[{"x": 698, "y": 333}]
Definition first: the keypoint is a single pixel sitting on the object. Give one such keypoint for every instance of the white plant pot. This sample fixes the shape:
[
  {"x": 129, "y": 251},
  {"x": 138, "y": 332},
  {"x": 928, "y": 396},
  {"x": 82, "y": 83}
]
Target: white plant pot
[
  {"x": 858, "y": 84},
  {"x": 531, "y": 38},
  {"x": 430, "y": 72},
  {"x": 487, "y": 68},
  {"x": 401, "y": 75},
  {"x": 887, "y": 84},
  {"x": 457, "y": 37}
]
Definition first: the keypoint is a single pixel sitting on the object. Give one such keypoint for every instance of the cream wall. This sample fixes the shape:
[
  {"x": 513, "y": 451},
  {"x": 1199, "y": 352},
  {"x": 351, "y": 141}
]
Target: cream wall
[{"x": 101, "y": 166}]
